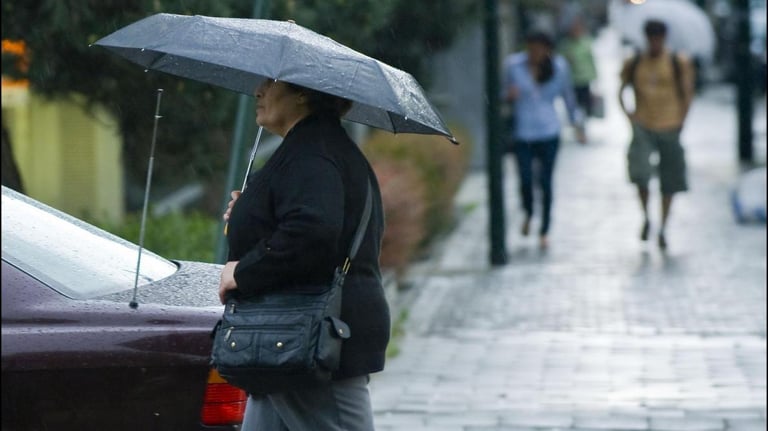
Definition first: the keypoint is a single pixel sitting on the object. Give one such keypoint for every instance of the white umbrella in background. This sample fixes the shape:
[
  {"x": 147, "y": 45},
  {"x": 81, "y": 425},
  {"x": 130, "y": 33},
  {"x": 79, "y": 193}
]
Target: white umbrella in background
[{"x": 689, "y": 29}]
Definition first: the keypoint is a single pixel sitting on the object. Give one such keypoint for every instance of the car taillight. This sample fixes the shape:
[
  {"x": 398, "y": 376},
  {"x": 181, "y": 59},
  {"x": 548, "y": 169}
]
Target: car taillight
[{"x": 224, "y": 404}]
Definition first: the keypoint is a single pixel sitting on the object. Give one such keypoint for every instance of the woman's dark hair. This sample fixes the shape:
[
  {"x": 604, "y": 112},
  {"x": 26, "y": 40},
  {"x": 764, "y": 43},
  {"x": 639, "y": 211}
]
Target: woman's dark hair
[
  {"x": 655, "y": 27},
  {"x": 542, "y": 37},
  {"x": 323, "y": 103},
  {"x": 546, "y": 69}
]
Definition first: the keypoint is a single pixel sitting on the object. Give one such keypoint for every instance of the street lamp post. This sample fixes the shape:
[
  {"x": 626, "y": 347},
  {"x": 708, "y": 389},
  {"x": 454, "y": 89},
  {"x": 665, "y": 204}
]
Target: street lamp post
[
  {"x": 498, "y": 254},
  {"x": 745, "y": 85}
]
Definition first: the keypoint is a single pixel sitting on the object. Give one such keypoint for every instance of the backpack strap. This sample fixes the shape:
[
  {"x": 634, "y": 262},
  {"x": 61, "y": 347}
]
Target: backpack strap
[
  {"x": 678, "y": 74},
  {"x": 633, "y": 67}
]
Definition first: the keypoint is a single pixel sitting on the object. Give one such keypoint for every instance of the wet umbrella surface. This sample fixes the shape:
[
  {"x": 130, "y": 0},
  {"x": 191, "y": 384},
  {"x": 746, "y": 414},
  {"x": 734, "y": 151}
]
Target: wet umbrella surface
[{"x": 238, "y": 54}]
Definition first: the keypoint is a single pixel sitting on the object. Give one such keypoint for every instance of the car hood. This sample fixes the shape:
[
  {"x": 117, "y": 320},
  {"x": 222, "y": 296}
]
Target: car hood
[{"x": 195, "y": 284}]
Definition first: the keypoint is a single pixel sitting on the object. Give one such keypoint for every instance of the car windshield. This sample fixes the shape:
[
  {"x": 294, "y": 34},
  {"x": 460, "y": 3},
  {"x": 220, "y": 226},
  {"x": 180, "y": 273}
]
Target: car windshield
[{"x": 75, "y": 258}]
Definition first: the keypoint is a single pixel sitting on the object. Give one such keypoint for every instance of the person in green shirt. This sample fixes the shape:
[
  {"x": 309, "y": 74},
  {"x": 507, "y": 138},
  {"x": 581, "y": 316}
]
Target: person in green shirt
[{"x": 576, "y": 47}]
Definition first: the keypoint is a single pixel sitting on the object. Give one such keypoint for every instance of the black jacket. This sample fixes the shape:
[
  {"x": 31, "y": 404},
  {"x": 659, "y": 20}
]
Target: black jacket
[{"x": 294, "y": 224}]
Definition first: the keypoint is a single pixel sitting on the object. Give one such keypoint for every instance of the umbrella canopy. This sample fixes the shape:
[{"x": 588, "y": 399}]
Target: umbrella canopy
[
  {"x": 688, "y": 27},
  {"x": 238, "y": 54}
]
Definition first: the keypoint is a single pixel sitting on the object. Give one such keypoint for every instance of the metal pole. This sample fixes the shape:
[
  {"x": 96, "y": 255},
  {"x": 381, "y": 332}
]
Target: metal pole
[
  {"x": 744, "y": 83},
  {"x": 238, "y": 142},
  {"x": 498, "y": 253}
]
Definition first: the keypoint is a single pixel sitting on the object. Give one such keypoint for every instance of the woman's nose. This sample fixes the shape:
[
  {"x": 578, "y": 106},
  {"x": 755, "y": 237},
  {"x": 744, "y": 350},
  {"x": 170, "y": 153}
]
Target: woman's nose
[{"x": 259, "y": 91}]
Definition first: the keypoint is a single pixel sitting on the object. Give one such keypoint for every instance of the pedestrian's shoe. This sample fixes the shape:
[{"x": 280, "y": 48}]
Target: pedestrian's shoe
[
  {"x": 543, "y": 242},
  {"x": 644, "y": 231},
  {"x": 662, "y": 241},
  {"x": 526, "y": 227}
]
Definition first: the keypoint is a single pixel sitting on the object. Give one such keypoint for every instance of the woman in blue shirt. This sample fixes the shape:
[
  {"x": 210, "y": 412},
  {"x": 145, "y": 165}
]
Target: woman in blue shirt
[{"x": 533, "y": 79}]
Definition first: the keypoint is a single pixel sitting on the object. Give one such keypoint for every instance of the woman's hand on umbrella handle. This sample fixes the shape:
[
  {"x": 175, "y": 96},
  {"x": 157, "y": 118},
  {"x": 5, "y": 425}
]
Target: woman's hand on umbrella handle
[{"x": 235, "y": 194}]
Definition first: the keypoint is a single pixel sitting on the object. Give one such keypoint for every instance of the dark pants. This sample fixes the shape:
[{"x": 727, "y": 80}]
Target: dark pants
[
  {"x": 584, "y": 98},
  {"x": 538, "y": 156}
]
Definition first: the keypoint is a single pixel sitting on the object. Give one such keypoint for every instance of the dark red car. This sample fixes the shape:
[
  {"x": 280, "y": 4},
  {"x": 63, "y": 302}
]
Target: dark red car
[{"x": 75, "y": 356}]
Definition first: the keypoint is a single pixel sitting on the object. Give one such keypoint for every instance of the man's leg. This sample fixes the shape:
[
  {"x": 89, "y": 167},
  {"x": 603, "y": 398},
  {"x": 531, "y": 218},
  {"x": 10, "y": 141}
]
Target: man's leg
[
  {"x": 672, "y": 175},
  {"x": 666, "y": 204},
  {"x": 640, "y": 171},
  {"x": 642, "y": 193}
]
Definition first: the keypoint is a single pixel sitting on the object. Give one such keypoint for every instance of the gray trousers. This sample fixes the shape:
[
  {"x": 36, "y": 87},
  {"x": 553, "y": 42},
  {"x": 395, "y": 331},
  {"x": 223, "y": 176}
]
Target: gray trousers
[{"x": 344, "y": 405}]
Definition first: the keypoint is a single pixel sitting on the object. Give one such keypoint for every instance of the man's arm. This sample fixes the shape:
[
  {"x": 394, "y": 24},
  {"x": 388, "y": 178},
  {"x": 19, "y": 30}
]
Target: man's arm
[
  {"x": 624, "y": 84},
  {"x": 688, "y": 82}
]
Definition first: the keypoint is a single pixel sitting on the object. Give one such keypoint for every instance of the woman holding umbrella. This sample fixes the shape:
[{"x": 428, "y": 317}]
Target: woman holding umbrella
[
  {"x": 294, "y": 222},
  {"x": 290, "y": 227}
]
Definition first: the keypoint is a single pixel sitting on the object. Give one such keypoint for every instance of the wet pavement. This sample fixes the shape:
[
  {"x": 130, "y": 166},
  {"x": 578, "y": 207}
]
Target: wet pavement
[{"x": 601, "y": 331}]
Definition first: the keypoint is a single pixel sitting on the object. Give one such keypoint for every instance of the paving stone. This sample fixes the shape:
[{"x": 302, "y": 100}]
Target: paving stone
[
  {"x": 756, "y": 424},
  {"x": 755, "y": 412},
  {"x": 687, "y": 424},
  {"x": 542, "y": 419},
  {"x": 664, "y": 413},
  {"x": 401, "y": 420},
  {"x": 610, "y": 422},
  {"x": 478, "y": 419},
  {"x": 504, "y": 428}
]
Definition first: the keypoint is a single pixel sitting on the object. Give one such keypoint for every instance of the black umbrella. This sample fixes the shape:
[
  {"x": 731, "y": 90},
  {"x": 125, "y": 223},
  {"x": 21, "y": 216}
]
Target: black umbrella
[{"x": 239, "y": 53}]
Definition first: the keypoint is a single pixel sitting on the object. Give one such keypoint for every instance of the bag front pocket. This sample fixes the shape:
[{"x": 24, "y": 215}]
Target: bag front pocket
[{"x": 275, "y": 341}]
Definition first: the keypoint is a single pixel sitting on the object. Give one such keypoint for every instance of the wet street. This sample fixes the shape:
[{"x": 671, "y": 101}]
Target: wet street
[{"x": 601, "y": 331}]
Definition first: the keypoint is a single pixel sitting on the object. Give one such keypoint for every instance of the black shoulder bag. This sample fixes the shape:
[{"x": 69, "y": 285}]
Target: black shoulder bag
[{"x": 279, "y": 341}]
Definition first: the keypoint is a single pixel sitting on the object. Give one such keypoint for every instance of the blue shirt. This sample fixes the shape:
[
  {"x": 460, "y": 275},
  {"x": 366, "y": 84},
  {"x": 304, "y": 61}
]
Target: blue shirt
[{"x": 535, "y": 114}]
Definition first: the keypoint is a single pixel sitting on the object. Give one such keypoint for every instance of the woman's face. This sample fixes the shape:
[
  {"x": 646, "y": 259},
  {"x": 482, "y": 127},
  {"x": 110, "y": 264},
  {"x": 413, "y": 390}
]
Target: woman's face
[
  {"x": 278, "y": 106},
  {"x": 538, "y": 52}
]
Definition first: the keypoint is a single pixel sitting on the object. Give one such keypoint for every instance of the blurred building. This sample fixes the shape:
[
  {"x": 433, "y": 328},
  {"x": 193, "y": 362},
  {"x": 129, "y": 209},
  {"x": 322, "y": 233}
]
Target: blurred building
[{"x": 68, "y": 156}]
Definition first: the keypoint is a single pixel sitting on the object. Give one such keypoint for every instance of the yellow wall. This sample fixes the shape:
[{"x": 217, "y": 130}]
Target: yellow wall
[{"x": 68, "y": 158}]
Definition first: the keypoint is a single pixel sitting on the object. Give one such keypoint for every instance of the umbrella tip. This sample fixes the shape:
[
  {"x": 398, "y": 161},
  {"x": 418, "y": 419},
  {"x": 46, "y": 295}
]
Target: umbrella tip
[{"x": 453, "y": 140}]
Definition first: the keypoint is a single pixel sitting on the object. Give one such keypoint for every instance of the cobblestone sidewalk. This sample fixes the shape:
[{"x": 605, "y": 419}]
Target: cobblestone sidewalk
[{"x": 601, "y": 331}]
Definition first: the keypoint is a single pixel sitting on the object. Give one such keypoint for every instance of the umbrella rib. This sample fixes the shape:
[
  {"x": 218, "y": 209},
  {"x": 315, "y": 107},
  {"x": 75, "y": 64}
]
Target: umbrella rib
[
  {"x": 286, "y": 39},
  {"x": 384, "y": 75}
]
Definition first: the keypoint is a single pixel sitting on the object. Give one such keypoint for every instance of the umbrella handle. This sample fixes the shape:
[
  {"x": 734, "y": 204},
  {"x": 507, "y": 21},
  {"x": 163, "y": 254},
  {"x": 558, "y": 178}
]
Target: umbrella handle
[{"x": 248, "y": 169}]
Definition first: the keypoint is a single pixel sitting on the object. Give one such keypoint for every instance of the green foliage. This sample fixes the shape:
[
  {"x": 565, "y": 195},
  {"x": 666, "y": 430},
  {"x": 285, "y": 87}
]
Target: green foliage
[
  {"x": 417, "y": 29},
  {"x": 194, "y": 134},
  {"x": 352, "y": 23},
  {"x": 419, "y": 176},
  {"x": 197, "y": 119},
  {"x": 404, "y": 197},
  {"x": 441, "y": 167},
  {"x": 176, "y": 235},
  {"x": 192, "y": 137}
]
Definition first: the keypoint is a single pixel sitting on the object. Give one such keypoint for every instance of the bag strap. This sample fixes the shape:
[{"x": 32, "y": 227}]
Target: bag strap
[
  {"x": 678, "y": 74},
  {"x": 361, "y": 228}
]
